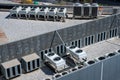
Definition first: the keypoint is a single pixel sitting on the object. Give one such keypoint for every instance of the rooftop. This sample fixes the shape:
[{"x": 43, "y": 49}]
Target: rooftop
[
  {"x": 17, "y": 29},
  {"x": 93, "y": 51}
]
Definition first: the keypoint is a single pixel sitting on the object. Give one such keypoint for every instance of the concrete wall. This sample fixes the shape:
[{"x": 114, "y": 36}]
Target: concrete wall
[{"x": 38, "y": 43}]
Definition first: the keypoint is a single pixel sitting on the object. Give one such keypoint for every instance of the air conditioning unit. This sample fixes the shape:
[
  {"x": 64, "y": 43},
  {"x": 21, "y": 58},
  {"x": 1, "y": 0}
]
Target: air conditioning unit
[
  {"x": 94, "y": 10},
  {"x": 42, "y": 13},
  {"x": 61, "y": 13},
  {"x": 78, "y": 10},
  {"x": 86, "y": 10},
  {"x": 30, "y": 62},
  {"x": 55, "y": 61},
  {"x": 24, "y": 12},
  {"x": 49, "y": 56},
  {"x": 77, "y": 53},
  {"x": 15, "y": 11},
  {"x": 11, "y": 69},
  {"x": 33, "y": 12},
  {"x": 52, "y": 13}
]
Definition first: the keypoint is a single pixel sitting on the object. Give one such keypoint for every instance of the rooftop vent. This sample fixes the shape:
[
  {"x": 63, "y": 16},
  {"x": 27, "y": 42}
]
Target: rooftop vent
[
  {"x": 101, "y": 58},
  {"x": 64, "y": 73},
  {"x": 91, "y": 62},
  {"x": 57, "y": 76},
  {"x": 57, "y": 59},
  {"x": 72, "y": 47},
  {"x": 79, "y": 51},
  {"x": 111, "y": 54},
  {"x": 51, "y": 54}
]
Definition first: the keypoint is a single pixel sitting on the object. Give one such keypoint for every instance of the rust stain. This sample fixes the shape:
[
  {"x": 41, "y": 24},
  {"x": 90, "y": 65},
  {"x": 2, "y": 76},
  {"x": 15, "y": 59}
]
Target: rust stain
[{"x": 3, "y": 37}]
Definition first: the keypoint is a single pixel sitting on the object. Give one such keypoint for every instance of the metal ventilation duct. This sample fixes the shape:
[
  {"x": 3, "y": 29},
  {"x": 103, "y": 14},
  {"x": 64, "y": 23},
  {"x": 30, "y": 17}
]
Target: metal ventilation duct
[{"x": 11, "y": 69}]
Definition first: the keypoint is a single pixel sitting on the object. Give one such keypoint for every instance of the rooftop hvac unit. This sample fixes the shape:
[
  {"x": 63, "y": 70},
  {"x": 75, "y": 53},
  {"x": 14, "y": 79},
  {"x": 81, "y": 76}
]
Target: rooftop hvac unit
[
  {"x": 52, "y": 13},
  {"x": 33, "y": 12},
  {"x": 90, "y": 62},
  {"x": 77, "y": 54},
  {"x": 24, "y": 11},
  {"x": 42, "y": 13},
  {"x": 11, "y": 69},
  {"x": 55, "y": 61},
  {"x": 61, "y": 13},
  {"x": 86, "y": 10},
  {"x": 78, "y": 10},
  {"x": 15, "y": 11},
  {"x": 30, "y": 62},
  {"x": 94, "y": 10}
]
